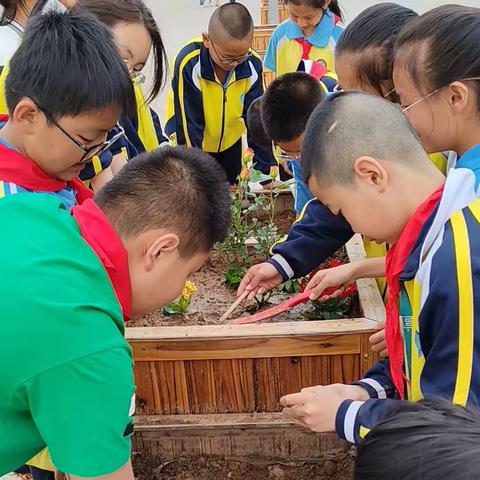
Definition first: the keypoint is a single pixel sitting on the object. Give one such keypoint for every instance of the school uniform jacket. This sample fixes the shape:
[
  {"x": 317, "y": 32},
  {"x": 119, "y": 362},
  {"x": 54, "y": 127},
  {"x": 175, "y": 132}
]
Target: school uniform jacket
[
  {"x": 202, "y": 112},
  {"x": 317, "y": 233},
  {"x": 285, "y": 49},
  {"x": 439, "y": 314}
]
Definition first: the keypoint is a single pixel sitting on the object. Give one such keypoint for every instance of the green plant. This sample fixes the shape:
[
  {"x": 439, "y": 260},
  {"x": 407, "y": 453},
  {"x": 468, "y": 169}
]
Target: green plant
[
  {"x": 245, "y": 224},
  {"x": 233, "y": 276},
  {"x": 331, "y": 309},
  {"x": 181, "y": 304},
  {"x": 290, "y": 286}
]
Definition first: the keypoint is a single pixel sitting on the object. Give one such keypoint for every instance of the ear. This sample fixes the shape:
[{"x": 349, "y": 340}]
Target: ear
[
  {"x": 371, "y": 173},
  {"x": 27, "y": 115},
  {"x": 206, "y": 40},
  {"x": 458, "y": 95},
  {"x": 164, "y": 244}
]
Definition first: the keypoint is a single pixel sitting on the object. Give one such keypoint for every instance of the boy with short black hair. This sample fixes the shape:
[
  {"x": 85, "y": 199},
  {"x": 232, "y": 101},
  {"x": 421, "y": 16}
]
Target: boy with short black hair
[
  {"x": 438, "y": 439},
  {"x": 286, "y": 107},
  {"x": 362, "y": 159},
  {"x": 59, "y": 115},
  {"x": 215, "y": 79},
  {"x": 67, "y": 381}
]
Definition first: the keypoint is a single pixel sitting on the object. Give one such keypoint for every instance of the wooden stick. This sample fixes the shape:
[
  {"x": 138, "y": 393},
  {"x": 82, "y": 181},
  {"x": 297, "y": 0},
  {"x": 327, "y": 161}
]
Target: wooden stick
[{"x": 234, "y": 306}]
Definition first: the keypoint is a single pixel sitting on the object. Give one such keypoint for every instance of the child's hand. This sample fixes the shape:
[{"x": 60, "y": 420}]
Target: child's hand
[
  {"x": 378, "y": 342},
  {"x": 316, "y": 407},
  {"x": 341, "y": 276},
  {"x": 259, "y": 279}
]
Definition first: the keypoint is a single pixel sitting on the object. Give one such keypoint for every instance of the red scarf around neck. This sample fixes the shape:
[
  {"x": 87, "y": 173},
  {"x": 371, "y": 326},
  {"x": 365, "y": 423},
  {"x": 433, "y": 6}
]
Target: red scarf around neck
[{"x": 395, "y": 261}]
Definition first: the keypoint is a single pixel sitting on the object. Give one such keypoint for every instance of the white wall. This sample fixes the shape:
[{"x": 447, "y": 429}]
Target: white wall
[{"x": 181, "y": 20}]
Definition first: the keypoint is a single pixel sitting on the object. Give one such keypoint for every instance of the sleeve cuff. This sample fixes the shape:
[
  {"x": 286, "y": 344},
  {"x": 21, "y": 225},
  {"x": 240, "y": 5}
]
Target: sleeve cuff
[
  {"x": 346, "y": 420},
  {"x": 374, "y": 388},
  {"x": 282, "y": 266}
]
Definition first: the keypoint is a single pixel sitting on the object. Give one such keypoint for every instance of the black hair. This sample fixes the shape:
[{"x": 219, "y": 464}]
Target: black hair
[
  {"x": 348, "y": 125},
  {"x": 172, "y": 187},
  {"x": 441, "y": 47},
  {"x": 11, "y": 7},
  {"x": 334, "y": 7},
  {"x": 371, "y": 37},
  {"x": 431, "y": 439},
  {"x": 112, "y": 12},
  {"x": 233, "y": 18},
  {"x": 288, "y": 103},
  {"x": 255, "y": 125},
  {"x": 67, "y": 63}
]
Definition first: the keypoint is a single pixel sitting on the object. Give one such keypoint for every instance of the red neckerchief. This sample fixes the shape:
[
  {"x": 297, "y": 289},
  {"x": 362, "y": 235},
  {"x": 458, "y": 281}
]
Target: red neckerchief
[
  {"x": 103, "y": 240},
  {"x": 306, "y": 47},
  {"x": 395, "y": 261},
  {"x": 24, "y": 172}
]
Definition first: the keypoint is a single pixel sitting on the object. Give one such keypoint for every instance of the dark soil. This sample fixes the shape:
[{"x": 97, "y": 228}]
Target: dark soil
[{"x": 329, "y": 467}]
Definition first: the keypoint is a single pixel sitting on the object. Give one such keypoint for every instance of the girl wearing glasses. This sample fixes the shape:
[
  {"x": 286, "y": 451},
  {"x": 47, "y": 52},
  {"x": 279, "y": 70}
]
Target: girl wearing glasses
[
  {"x": 310, "y": 34},
  {"x": 137, "y": 37},
  {"x": 437, "y": 78}
]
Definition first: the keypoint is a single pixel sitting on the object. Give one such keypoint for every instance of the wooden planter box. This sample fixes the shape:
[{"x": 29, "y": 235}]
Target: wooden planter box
[{"x": 206, "y": 390}]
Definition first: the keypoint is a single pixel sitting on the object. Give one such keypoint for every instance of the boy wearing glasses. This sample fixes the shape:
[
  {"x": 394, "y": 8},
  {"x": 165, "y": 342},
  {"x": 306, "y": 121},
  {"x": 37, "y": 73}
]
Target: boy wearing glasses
[
  {"x": 59, "y": 118},
  {"x": 215, "y": 79}
]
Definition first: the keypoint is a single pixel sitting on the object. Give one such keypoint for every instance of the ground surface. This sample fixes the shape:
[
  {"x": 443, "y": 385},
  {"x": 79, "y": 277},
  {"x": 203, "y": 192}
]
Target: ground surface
[{"x": 331, "y": 467}]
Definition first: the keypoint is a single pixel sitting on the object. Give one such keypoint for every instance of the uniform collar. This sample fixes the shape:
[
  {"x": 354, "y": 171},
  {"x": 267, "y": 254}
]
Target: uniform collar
[
  {"x": 470, "y": 159},
  {"x": 21, "y": 170},
  {"x": 208, "y": 72},
  {"x": 97, "y": 231},
  {"x": 320, "y": 36}
]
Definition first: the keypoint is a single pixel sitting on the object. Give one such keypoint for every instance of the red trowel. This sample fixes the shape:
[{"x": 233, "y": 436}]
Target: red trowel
[{"x": 281, "y": 307}]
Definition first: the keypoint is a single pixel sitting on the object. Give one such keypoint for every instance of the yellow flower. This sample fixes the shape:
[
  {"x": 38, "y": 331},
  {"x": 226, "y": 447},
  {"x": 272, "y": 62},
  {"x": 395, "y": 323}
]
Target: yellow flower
[
  {"x": 273, "y": 171},
  {"x": 244, "y": 174},
  {"x": 188, "y": 290},
  {"x": 247, "y": 156}
]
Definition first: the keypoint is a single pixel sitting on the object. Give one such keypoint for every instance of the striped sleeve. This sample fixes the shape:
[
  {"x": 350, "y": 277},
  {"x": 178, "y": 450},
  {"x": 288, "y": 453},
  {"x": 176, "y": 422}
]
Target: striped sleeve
[
  {"x": 312, "y": 239},
  {"x": 448, "y": 340},
  {"x": 263, "y": 158},
  {"x": 185, "y": 121},
  {"x": 449, "y": 320}
]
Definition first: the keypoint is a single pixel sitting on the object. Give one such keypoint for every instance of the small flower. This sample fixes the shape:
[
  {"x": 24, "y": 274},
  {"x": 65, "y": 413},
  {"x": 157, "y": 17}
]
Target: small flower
[
  {"x": 188, "y": 290},
  {"x": 274, "y": 171},
  {"x": 247, "y": 156},
  {"x": 244, "y": 174}
]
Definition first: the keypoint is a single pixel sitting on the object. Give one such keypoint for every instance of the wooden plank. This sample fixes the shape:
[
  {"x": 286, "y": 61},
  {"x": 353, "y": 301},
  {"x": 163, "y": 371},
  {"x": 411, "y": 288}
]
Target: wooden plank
[
  {"x": 145, "y": 389},
  {"x": 201, "y": 386},
  {"x": 259, "y": 347},
  {"x": 164, "y": 438},
  {"x": 275, "y": 377},
  {"x": 172, "y": 388},
  {"x": 234, "y": 386},
  {"x": 370, "y": 298},
  {"x": 261, "y": 330},
  {"x": 368, "y": 358}
]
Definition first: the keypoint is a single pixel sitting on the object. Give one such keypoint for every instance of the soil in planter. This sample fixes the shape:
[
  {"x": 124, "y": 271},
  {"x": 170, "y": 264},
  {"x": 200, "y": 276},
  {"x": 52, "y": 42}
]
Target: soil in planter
[
  {"x": 213, "y": 298},
  {"x": 330, "y": 467}
]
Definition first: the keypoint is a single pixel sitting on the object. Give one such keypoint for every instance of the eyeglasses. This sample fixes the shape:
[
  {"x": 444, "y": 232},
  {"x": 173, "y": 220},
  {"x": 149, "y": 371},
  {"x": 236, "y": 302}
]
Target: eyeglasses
[
  {"x": 88, "y": 152},
  {"x": 287, "y": 157},
  {"x": 406, "y": 108},
  {"x": 135, "y": 75},
  {"x": 230, "y": 60}
]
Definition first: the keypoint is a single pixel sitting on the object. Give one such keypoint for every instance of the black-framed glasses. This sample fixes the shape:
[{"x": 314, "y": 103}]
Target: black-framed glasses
[
  {"x": 88, "y": 152},
  {"x": 230, "y": 60}
]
